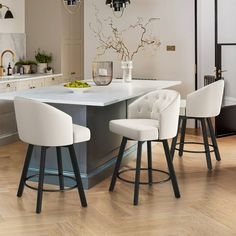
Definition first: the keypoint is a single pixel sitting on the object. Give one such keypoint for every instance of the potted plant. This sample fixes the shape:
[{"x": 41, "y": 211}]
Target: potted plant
[
  {"x": 27, "y": 65},
  {"x": 43, "y": 59}
]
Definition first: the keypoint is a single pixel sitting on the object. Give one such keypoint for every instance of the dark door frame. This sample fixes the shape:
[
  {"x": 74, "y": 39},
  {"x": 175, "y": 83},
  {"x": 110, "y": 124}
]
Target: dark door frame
[{"x": 196, "y": 42}]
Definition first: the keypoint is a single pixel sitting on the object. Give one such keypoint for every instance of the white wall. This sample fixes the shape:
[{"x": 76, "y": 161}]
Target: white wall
[
  {"x": 206, "y": 39},
  {"x": 227, "y": 21},
  {"x": 175, "y": 27},
  {"x": 16, "y": 25},
  {"x": 226, "y": 34}
]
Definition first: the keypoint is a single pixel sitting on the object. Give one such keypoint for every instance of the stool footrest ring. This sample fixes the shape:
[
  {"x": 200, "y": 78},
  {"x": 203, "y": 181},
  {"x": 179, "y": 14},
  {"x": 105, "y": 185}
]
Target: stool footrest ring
[
  {"x": 197, "y": 143},
  {"x": 143, "y": 169},
  {"x": 50, "y": 190}
]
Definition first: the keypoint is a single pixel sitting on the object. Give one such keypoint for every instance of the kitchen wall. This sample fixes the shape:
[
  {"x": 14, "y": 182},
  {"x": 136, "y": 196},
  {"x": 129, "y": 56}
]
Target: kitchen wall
[
  {"x": 15, "y": 42},
  {"x": 176, "y": 27},
  {"x": 16, "y": 25},
  {"x": 12, "y": 31},
  {"x": 206, "y": 39}
]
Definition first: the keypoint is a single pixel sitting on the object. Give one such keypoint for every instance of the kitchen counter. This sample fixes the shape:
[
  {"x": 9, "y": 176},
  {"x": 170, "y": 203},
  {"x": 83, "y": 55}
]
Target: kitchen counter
[
  {"x": 116, "y": 92},
  {"x": 93, "y": 109},
  {"x": 16, "y": 78}
]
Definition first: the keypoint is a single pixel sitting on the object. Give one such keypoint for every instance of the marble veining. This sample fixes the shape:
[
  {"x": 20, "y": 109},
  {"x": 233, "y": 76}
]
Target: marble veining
[{"x": 14, "y": 42}]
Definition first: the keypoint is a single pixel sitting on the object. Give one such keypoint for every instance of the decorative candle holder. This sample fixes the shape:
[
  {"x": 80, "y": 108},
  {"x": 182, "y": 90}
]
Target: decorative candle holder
[{"x": 102, "y": 72}]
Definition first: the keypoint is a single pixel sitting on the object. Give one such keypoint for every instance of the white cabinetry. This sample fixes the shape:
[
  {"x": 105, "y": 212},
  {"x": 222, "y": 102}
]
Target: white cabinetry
[
  {"x": 38, "y": 83},
  {"x": 8, "y": 130},
  {"x": 53, "y": 81},
  {"x": 7, "y": 87},
  {"x": 71, "y": 53}
]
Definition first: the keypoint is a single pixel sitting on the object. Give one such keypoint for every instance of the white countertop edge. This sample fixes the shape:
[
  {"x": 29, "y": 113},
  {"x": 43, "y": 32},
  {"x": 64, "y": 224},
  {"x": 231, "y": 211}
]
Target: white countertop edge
[
  {"x": 31, "y": 77},
  {"x": 83, "y": 103}
]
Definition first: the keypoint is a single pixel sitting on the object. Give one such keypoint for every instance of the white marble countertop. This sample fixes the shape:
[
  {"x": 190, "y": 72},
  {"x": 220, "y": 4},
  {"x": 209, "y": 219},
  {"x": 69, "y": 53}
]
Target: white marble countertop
[
  {"x": 116, "y": 92},
  {"x": 17, "y": 78}
]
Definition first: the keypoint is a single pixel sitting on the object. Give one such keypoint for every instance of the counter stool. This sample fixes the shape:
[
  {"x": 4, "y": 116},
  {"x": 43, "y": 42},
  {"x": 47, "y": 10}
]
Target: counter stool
[
  {"x": 42, "y": 125},
  {"x": 201, "y": 105},
  {"x": 153, "y": 117}
]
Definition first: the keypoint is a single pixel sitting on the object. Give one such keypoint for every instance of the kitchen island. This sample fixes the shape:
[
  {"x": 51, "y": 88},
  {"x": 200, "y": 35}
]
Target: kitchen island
[{"x": 94, "y": 109}]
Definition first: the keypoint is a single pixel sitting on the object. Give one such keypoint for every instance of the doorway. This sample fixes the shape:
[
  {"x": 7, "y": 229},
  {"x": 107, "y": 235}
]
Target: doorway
[
  {"x": 216, "y": 55},
  {"x": 225, "y": 63}
]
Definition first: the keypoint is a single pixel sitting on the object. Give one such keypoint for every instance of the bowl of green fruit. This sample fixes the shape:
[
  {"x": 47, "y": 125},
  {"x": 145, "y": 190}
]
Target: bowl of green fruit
[{"x": 77, "y": 86}]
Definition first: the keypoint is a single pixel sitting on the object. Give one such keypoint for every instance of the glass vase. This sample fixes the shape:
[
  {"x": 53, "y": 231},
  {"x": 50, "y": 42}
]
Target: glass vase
[
  {"x": 127, "y": 67},
  {"x": 102, "y": 72}
]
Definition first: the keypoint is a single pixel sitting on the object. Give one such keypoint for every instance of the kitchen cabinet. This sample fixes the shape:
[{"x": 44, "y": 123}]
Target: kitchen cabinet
[
  {"x": 72, "y": 53},
  {"x": 53, "y": 81},
  {"x": 8, "y": 130},
  {"x": 7, "y": 87}
]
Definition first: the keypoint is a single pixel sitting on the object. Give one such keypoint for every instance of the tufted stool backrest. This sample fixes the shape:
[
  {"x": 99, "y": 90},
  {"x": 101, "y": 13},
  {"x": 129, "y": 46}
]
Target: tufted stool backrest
[{"x": 162, "y": 105}]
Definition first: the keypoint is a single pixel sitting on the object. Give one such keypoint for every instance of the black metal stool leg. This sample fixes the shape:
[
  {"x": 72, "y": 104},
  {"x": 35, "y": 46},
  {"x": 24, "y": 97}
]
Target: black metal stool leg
[
  {"x": 60, "y": 168},
  {"x": 41, "y": 179},
  {"x": 171, "y": 169},
  {"x": 137, "y": 175},
  {"x": 118, "y": 163},
  {"x": 77, "y": 176},
  {"x": 213, "y": 139},
  {"x": 206, "y": 144},
  {"x": 149, "y": 152},
  {"x": 174, "y": 141},
  {"x": 182, "y": 137},
  {"x": 25, "y": 170}
]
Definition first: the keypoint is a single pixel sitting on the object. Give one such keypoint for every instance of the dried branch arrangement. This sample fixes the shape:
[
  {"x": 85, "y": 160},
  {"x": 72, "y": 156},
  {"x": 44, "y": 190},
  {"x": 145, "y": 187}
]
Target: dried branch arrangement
[{"x": 115, "y": 41}]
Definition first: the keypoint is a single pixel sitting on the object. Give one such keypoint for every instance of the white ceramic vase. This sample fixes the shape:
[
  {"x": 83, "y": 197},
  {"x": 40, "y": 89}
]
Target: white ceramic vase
[
  {"x": 127, "y": 67},
  {"x": 41, "y": 68}
]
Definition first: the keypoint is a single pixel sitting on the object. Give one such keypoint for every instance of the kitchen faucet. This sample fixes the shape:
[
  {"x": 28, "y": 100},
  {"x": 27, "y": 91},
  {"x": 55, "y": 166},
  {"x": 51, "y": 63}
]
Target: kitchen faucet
[{"x": 1, "y": 63}]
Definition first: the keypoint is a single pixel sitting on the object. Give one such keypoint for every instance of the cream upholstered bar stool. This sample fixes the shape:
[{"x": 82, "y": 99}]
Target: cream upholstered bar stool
[
  {"x": 42, "y": 125},
  {"x": 153, "y": 117},
  {"x": 201, "y": 105}
]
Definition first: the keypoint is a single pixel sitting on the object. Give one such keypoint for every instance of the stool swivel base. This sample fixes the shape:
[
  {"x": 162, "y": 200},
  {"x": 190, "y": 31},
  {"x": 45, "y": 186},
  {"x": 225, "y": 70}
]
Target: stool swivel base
[
  {"x": 116, "y": 173},
  {"x": 24, "y": 178},
  {"x": 206, "y": 123}
]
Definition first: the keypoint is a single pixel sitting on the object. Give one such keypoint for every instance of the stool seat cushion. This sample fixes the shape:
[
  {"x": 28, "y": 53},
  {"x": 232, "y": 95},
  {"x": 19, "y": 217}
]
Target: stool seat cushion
[
  {"x": 80, "y": 134},
  {"x": 136, "y": 129}
]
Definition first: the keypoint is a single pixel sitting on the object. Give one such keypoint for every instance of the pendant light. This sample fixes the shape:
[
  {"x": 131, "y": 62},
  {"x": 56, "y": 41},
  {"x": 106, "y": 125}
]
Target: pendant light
[
  {"x": 8, "y": 14},
  {"x": 117, "y": 5},
  {"x": 72, "y": 6}
]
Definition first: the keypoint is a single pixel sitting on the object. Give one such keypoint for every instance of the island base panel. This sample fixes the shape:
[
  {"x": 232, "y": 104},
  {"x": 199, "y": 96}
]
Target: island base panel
[{"x": 96, "y": 157}]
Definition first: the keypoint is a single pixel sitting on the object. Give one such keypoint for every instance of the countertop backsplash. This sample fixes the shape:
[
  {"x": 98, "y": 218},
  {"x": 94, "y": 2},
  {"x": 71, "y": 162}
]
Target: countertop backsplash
[{"x": 14, "y": 42}]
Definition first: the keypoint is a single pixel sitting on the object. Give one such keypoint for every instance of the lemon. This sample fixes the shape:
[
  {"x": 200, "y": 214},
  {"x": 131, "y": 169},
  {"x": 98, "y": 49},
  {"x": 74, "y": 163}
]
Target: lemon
[{"x": 77, "y": 84}]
